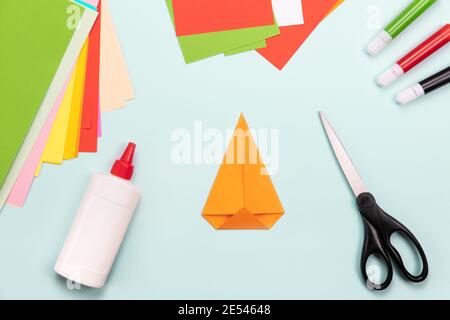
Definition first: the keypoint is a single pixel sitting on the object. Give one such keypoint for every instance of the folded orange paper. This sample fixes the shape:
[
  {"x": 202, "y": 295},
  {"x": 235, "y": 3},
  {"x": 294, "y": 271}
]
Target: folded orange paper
[{"x": 243, "y": 196}]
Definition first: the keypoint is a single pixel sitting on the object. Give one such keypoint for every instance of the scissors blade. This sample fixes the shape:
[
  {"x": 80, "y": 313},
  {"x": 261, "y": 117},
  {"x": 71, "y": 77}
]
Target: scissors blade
[{"x": 343, "y": 158}]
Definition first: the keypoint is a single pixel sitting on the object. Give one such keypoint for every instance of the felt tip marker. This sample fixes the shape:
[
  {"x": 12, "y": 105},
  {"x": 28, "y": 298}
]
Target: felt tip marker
[
  {"x": 416, "y": 56},
  {"x": 424, "y": 87},
  {"x": 400, "y": 23}
]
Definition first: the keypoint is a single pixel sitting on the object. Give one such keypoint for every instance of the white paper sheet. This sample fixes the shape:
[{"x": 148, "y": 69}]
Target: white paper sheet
[{"x": 288, "y": 12}]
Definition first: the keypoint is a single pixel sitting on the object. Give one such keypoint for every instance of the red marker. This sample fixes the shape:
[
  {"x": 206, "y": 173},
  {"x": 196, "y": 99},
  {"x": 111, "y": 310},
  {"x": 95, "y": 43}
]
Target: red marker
[{"x": 419, "y": 54}]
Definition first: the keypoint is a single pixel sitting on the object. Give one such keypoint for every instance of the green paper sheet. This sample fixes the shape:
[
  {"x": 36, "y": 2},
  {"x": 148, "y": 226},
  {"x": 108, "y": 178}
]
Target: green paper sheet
[
  {"x": 33, "y": 37},
  {"x": 40, "y": 43},
  {"x": 201, "y": 46},
  {"x": 250, "y": 47}
]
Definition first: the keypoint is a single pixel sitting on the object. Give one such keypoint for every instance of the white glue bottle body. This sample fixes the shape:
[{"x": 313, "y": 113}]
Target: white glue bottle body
[{"x": 100, "y": 225}]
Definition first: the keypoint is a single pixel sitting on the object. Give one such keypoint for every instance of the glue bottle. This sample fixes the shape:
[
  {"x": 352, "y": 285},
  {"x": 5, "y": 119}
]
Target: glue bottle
[{"x": 100, "y": 225}]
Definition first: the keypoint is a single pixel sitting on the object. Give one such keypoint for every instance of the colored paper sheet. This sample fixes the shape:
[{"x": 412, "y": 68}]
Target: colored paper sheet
[
  {"x": 54, "y": 149},
  {"x": 99, "y": 133},
  {"x": 243, "y": 196},
  {"x": 93, "y": 3},
  {"x": 19, "y": 192},
  {"x": 22, "y": 70},
  {"x": 288, "y": 12},
  {"x": 89, "y": 118},
  {"x": 115, "y": 82},
  {"x": 249, "y": 47},
  {"x": 338, "y": 3},
  {"x": 34, "y": 71},
  {"x": 38, "y": 170},
  {"x": 282, "y": 48},
  {"x": 205, "y": 16},
  {"x": 198, "y": 47},
  {"x": 73, "y": 130}
]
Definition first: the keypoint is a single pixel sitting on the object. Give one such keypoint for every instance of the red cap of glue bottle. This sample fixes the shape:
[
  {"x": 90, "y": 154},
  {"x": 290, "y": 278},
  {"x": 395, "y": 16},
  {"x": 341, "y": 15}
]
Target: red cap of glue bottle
[
  {"x": 124, "y": 168},
  {"x": 100, "y": 224}
]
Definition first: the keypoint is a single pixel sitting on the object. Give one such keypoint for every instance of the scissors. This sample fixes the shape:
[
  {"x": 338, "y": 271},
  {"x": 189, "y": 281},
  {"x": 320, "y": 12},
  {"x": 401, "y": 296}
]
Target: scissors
[{"x": 378, "y": 225}]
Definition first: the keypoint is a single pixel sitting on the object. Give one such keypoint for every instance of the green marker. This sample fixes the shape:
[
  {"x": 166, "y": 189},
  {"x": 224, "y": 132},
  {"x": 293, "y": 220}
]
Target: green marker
[{"x": 400, "y": 23}]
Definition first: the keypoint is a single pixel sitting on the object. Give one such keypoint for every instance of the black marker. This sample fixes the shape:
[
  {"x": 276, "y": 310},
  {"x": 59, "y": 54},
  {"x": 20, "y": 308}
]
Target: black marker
[{"x": 424, "y": 87}]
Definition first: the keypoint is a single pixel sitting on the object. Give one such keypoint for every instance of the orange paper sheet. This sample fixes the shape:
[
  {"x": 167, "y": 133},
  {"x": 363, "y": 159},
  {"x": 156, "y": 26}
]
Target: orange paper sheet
[
  {"x": 243, "y": 196},
  {"x": 281, "y": 49},
  {"x": 205, "y": 16}
]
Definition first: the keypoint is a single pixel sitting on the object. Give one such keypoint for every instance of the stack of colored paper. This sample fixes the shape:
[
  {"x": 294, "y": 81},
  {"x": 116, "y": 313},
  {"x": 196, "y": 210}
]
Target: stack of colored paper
[
  {"x": 66, "y": 68},
  {"x": 275, "y": 28}
]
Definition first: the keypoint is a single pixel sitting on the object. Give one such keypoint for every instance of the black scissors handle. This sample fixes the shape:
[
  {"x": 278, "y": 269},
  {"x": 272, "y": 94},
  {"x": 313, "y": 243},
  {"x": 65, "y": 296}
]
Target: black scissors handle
[{"x": 379, "y": 227}]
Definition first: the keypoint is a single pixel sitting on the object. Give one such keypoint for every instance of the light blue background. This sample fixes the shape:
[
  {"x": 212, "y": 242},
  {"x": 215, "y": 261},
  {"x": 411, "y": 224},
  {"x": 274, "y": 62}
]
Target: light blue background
[{"x": 403, "y": 154}]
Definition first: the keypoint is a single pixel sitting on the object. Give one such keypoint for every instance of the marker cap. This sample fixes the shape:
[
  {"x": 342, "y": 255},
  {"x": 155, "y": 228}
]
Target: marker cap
[
  {"x": 390, "y": 75},
  {"x": 380, "y": 41},
  {"x": 410, "y": 94}
]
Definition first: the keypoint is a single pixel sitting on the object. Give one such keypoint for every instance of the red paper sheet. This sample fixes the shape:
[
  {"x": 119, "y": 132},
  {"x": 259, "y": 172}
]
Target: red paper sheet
[
  {"x": 90, "y": 115},
  {"x": 281, "y": 49},
  {"x": 203, "y": 16}
]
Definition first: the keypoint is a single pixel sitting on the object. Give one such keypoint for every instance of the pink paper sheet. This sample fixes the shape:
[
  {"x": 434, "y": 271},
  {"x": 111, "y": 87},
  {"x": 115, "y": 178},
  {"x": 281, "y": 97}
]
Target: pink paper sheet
[
  {"x": 92, "y": 2},
  {"x": 19, "y": 193}
]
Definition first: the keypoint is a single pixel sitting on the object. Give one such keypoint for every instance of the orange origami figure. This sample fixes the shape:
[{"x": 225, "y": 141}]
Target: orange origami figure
[{"x": 243, "y": 196}]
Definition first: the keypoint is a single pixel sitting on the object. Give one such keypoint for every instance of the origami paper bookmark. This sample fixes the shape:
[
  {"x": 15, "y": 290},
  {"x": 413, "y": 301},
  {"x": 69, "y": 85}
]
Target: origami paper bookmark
[{"x": 243, "y": 196}]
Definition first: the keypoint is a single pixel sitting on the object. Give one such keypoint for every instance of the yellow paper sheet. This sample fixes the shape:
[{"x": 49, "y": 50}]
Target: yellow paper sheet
[
  {"x": 73, "y": 130},
  {"x": 54, "y": 149},
  {"x": 38, "y": 170}
]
